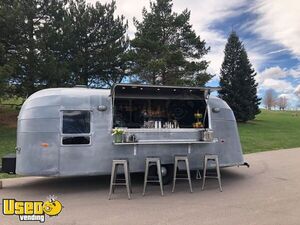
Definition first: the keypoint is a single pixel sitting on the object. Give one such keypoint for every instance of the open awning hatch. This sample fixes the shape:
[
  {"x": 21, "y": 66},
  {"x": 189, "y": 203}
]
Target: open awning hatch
[{"x": 142, "y": 91}]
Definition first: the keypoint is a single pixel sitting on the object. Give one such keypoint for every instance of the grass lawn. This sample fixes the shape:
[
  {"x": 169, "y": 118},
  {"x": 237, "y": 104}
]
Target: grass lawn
[
  {"x": 271, "y": 130},
  {"x": 8, "y": 124},
  {"x": 7, "y": 144}
]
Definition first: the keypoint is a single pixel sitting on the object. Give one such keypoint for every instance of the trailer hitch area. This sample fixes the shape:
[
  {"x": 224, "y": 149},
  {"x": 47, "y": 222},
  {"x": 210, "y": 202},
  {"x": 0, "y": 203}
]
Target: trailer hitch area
[{"x": 245, "y": 164}]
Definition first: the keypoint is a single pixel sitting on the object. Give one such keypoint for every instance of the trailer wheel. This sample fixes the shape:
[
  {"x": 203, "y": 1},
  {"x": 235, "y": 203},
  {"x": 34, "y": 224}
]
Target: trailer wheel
[{"x": 166, "y": 171}]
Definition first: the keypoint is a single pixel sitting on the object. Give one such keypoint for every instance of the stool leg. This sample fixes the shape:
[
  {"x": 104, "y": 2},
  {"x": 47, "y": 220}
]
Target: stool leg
[
  {"x": 111, "y": 180},
  {"x": 189, "y": 173},
  {"x": 129, "y": 176},
  {"x": 145, "y": 177},
  {"x": 160, "y": 178},
  {"x": 198, "y": 175},
  {"x": 116, "y": 167},
  {"x": 219, "y": 174},
  {"x": 174, "y": 174},
  {"x": 204, "y": 173},
  {"x": 126, "y": 172}
]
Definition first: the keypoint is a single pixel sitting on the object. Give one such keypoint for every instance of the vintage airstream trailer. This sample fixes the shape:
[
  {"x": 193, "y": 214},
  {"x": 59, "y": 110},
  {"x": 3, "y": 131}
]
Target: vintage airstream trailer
[{"x": 68, "y": 131}]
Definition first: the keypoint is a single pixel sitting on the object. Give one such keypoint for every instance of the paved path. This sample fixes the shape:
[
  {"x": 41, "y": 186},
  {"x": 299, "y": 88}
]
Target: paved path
[{"x": 266, "y": 193}]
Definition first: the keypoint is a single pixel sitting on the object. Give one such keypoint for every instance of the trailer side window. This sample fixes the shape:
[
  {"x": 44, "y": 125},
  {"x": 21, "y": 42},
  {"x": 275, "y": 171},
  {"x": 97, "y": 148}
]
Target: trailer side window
[{"x": 76, "y": 127}]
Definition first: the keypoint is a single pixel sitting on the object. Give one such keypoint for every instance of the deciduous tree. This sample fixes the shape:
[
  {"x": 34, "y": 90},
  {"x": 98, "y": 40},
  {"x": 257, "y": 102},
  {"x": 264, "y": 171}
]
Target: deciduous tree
[
  {"x": 282, "y": 103},
  {"x": 269, "y": 99}
]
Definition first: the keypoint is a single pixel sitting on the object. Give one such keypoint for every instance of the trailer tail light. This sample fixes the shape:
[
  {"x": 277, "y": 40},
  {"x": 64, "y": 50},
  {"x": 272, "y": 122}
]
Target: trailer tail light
[{"x": 45, "y": 145}]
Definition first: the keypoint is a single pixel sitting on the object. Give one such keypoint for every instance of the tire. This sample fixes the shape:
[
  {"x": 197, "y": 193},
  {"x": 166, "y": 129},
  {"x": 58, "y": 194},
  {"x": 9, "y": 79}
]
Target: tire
[{"x": 167, "y": 172}]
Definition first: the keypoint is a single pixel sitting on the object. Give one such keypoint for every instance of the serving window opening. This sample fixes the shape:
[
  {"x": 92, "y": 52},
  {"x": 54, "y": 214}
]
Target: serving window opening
[{"x": 157, "y": 108}]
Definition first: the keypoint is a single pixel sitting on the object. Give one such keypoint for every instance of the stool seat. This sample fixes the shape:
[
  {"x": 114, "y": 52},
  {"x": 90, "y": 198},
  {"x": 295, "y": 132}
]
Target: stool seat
[
  {"x": 120, "y": 161},
  {"x": 150, "y": 161},
  {"x": 180, "y": 157},
  {"x": 215, "y": 158},
  {"x": 177, "y": 159},
  {"x": 120, "y": 182},
  {"x": 211, "y": 157}
]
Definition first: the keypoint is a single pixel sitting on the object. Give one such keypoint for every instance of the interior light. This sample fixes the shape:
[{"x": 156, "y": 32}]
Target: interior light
[
  {"x": 123, "y": 88},
  {"x": 158, "y": 89},
  {"x": 174, "y": 90},
  {"x": 141, "y": 88}
]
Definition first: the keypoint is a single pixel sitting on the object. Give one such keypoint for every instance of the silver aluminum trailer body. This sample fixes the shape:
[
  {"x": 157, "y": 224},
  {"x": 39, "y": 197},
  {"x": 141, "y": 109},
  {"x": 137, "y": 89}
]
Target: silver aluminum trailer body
[{"x": 39, "y": 136}]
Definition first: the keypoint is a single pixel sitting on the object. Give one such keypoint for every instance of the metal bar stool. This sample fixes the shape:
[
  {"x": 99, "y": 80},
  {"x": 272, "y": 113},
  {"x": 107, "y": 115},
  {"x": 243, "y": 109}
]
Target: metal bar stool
[
  {"x": 118, "y": 182},
  {"x": 211, "y": 158},
  {"x": 184, "y": 159},
  {"x": 148, "y": 162}
]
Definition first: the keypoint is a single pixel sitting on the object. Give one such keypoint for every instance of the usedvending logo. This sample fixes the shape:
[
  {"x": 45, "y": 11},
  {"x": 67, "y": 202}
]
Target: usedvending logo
[{"x": 32, "y": 210}]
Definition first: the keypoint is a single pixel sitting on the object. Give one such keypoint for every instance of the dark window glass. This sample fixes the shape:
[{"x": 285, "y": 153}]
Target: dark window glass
[
  {"x": 76, "y": 122},
  {"x": 81, "y": 140}
]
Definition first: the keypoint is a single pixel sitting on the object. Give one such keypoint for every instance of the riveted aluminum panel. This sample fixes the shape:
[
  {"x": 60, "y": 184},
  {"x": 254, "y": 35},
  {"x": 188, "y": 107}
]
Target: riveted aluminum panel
[
  {"x": 40, "y": 122},
  {"x": 33, "y": 158}
]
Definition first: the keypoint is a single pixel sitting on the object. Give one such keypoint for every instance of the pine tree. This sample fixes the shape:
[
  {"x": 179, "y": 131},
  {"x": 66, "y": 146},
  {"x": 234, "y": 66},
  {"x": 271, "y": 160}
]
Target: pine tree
[
  {"x": 239, "y": 88},
  {"x": 7, "y": 37},
  {"x": 166, "y": 50},
  {"x": 99, "y": 44},
  {"x": 60, "y": 43},
  {"x": 21, "y": 30},
  {"x": 55, "y": 45}
]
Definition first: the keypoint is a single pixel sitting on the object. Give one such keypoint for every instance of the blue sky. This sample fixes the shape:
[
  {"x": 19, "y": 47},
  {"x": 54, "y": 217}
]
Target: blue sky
[{"x": 269, "y": 29}]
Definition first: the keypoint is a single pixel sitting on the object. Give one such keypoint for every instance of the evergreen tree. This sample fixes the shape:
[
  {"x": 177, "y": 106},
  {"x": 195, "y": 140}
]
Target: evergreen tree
[
  {"x": 239, "y": 88},
  {"x": 7, "y": 38},
  {"x": 112, "y": 63},
  {"x": 30, "y": 17},
  {"x": 166, "y": 50},
  {"x": 99, "y": 44},
  {"x": 57, "y": 43},
  {"x": 21, "y": 26}
]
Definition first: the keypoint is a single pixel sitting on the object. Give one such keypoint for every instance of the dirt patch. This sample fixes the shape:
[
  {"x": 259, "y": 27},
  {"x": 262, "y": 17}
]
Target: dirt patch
[{"x": 8, "y": 117}]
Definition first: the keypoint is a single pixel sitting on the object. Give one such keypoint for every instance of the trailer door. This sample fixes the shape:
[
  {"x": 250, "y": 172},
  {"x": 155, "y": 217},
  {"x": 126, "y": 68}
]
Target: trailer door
[{"x": 76, "y": 141}]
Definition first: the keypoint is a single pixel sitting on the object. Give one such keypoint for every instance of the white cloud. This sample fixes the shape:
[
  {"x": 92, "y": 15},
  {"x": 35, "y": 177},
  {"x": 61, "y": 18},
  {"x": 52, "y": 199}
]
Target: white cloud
[
  {"x": 277, "y": 72},
  {"x": 276, "y": 78},
  {"x": 297, "y": 90},
  {"x": 295, "y": 72},
  {"x": 272, "y": 72},
  {"x": 278, "y": 21},
  {"x": 280, "y": 86},
  {"x": 277, "y": 51}
]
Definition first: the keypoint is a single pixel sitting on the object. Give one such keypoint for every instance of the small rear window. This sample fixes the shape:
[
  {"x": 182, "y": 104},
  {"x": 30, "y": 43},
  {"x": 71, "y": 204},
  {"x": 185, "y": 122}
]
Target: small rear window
[
  {"x": 76, "y": 122},
  {"x": 80, "y": 140}
]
